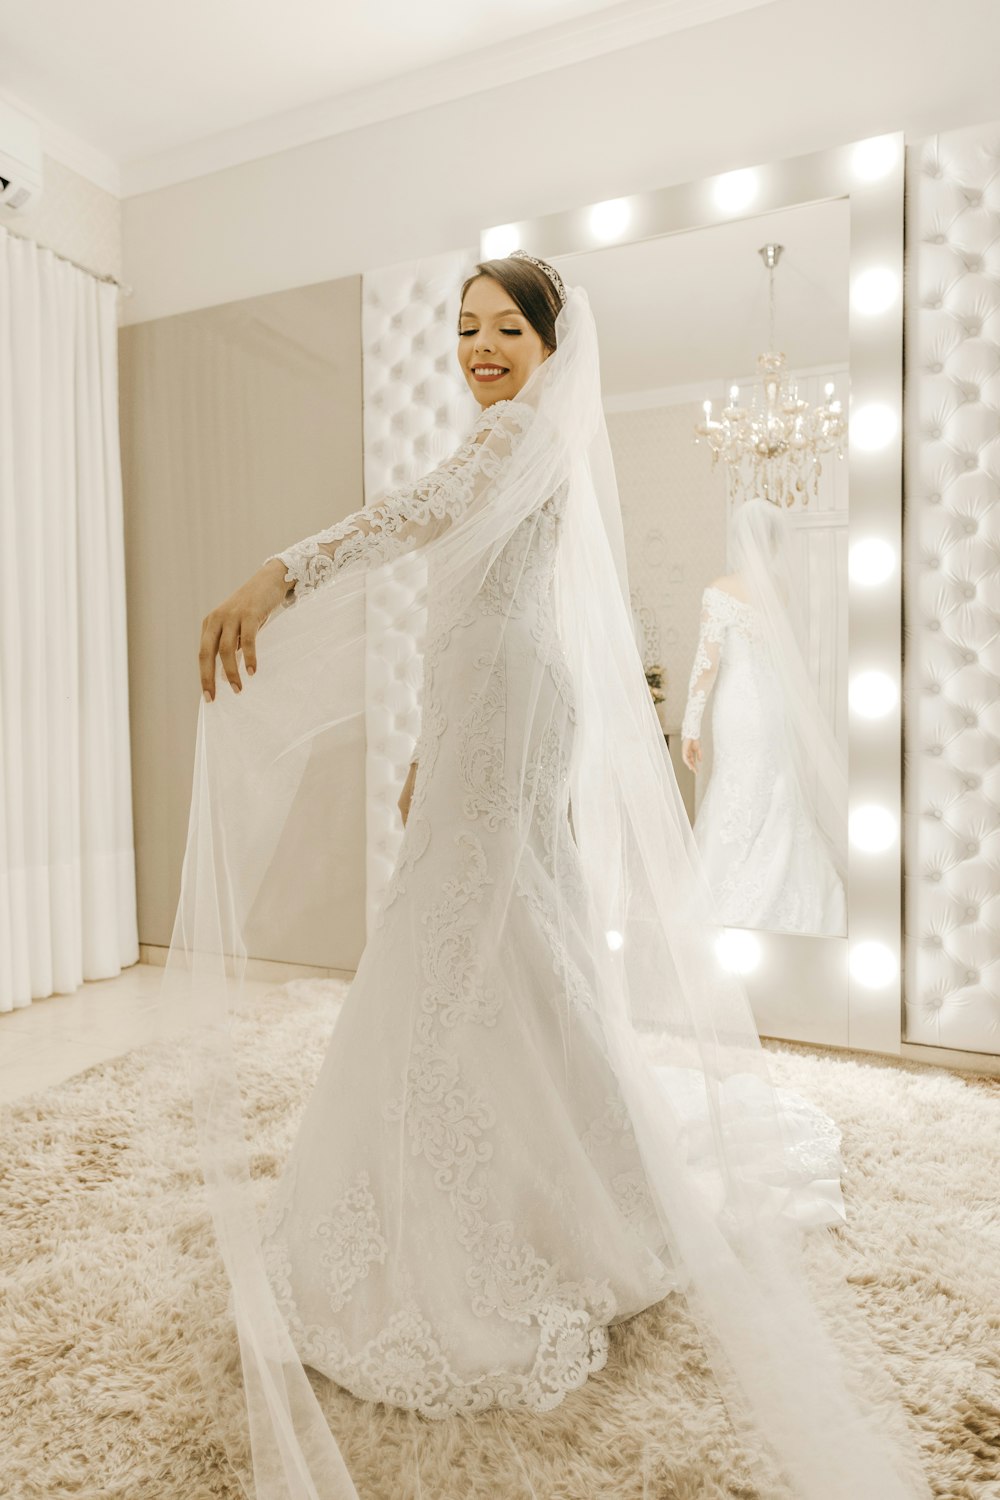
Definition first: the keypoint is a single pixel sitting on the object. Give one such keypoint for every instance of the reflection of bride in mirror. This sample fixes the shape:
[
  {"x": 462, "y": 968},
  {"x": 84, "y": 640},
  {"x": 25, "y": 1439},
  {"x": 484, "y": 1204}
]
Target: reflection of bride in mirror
[{"x": 770, "y": 827}]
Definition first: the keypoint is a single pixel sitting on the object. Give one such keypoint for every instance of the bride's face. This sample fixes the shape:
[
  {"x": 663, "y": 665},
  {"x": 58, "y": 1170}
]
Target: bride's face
[{"x": 492, "y": 332}]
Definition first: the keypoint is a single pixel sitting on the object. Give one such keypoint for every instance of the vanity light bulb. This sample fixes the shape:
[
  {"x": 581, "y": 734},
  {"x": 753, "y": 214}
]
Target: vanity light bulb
[
  {"x": 872, "y": 694},
  {"x": 872, "y": 828},
  {"x": 873, "y": 426},
  {"x": 734, "y": 190},
  {"x": 499, "y": 241},
  {"x": 874, "y": 158},
  {"x": 609, "y": 220},
  {"x": 873, "y": 965},
  {"x": 871, "y": 561},
  {"x": 615, "y": 940},
  {"x": 875, "y": 290},
  {"x": 737, "y": 950}
]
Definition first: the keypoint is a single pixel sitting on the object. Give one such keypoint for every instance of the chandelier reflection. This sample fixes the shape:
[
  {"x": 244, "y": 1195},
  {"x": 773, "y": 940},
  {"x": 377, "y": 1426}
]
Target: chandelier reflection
[{"x": 774, "y": 448}]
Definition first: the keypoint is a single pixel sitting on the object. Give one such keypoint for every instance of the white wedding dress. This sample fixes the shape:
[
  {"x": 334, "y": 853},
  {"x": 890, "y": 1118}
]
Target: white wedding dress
[
  {"x": 482, "y": 1262},
  {"x": 766, "y": 861}
]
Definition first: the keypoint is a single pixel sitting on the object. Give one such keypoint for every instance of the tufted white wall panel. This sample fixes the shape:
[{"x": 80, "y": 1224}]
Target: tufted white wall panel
[
  {"x": 952, "y": 591},
  {"x": 417, "y": 408}
]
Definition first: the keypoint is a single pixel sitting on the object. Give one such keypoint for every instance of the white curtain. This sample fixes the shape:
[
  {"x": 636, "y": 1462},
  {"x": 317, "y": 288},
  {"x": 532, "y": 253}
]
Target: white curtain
[{"x": 67, "y": 865}]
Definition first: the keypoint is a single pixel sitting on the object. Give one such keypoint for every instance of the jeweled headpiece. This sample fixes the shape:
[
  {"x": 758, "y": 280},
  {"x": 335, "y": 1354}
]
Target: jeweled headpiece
[{"x": 543, "y": 265}]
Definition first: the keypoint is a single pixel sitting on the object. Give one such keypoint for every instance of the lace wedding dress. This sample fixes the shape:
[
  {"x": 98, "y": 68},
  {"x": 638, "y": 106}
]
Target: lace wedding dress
[
  {"x": 765, "y": 860},
  {"x": 482, "y": 1261}
]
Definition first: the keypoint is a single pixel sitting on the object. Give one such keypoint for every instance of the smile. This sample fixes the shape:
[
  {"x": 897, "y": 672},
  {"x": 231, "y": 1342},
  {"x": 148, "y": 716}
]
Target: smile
[{"x": 489, "y": 372}]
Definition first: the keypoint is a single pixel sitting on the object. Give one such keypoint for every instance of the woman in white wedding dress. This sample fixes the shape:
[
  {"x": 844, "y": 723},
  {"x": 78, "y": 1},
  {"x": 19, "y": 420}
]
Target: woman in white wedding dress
[
  {"x": 486, "y": 1265},
  {"x": 491, "y": 1170},
  {"x": 764, "y": 854}
]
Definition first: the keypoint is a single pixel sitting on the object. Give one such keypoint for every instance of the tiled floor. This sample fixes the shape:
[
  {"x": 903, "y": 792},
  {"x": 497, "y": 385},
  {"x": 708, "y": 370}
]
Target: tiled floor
[{"x": 51, "y": 1039}]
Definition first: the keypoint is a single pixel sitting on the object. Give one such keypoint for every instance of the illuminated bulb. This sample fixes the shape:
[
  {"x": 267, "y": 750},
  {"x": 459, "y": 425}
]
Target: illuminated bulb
[
  {"x": 738, "y": 951},
  {"x": 873, "y": 158},
  {"x": 872, "y": 694},
  {"x": 734, "y": 392},
  {"x": 615, "y": 940},
  {"x": 873, "y": 426},
  {"x": 871, "y": 561},
  {"x": 875, "y": 290},
  {"x": 706, "y": 407},
  {"x": 734, "y": 190},
  {"x": 873, "y": 965},
  {"x": 499, "y": 241},
  {"x": 872, "y": 828},
  {"x": 609, "y": 220}
]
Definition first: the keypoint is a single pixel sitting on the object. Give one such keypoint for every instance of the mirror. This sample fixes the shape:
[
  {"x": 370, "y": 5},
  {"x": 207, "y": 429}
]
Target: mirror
[
  {"x": 681, "y": 300},
  {"x": 739, "y": 575}
]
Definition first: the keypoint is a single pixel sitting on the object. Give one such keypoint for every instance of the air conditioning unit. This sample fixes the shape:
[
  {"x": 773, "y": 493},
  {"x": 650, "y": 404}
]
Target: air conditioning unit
[{"x": 20, "y": 159}]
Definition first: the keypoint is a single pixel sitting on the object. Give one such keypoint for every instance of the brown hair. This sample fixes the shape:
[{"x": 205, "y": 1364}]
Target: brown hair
[{"x": 530, "y": 289}]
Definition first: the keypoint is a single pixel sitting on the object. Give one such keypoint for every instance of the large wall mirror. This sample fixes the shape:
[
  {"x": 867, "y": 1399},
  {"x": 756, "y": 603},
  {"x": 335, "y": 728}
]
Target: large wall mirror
[{"x": 767, "y": 303}]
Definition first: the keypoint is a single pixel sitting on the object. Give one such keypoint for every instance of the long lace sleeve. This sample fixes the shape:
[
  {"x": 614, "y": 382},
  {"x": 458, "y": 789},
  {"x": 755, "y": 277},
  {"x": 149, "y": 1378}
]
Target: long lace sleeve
[
  {"x": 706, "y": 663},
  {"x": 412, "y": 514}
]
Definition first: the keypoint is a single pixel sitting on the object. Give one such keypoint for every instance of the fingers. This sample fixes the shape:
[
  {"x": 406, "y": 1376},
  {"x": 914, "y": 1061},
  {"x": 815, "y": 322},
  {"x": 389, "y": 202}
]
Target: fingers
[
  {"x": 228, "y": 643},
  {"x": 691, "y": 755},
  {"x": 223, "y": 637},
  {"x": 248, "y": 645},
  {"x": 210, "y": 632}
]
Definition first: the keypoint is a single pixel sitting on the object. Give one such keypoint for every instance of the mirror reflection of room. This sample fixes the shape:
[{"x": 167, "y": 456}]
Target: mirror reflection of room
[{"x": 725, "y": 374}]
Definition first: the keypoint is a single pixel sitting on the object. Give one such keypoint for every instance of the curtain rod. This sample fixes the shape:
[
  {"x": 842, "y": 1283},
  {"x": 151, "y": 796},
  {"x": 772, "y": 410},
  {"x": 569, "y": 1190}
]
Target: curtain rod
[{"x": 125, "y": 290}]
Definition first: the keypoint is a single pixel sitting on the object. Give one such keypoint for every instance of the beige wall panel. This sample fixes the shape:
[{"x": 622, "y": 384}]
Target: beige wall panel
[{"x": 241, "y": 433}]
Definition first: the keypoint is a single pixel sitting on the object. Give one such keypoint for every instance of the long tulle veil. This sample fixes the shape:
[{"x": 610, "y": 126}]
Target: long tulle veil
[
  {"x": 761, "y": 552},
  {"x": 627, "y": 921}
]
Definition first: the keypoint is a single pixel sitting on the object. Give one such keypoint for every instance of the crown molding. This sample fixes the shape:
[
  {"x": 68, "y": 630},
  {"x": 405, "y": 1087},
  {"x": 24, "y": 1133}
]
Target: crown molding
[
  {"x": 553, "y": 47},
  {"x": 71, "y": 150}
]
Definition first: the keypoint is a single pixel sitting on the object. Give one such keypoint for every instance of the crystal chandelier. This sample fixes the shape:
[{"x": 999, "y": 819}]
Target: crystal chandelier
[{"x": 774, "y": 447}]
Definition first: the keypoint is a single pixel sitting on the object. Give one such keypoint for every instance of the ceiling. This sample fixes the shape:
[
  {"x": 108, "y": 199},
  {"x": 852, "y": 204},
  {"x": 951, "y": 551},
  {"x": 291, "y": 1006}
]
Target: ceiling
[{"x": 136, "y": 96}]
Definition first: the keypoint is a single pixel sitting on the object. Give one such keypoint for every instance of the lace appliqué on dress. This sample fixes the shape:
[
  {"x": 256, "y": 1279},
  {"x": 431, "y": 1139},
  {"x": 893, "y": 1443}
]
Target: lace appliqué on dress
[
  {"x": 448, "y": 1117},
  {"x": 404, "y": 517},
  {"x": 720, "y": 611}
]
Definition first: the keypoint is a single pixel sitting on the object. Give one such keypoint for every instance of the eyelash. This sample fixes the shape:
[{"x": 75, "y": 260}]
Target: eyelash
[{"x": 463, "y": 331}]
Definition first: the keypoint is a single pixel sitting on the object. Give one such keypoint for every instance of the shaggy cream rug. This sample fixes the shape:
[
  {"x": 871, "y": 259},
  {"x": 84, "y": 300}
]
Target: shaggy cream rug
[{"x": 106, "y": 1352}]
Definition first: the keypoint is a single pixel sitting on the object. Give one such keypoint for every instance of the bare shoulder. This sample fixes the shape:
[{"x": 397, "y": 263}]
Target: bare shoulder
[{"x": 731, "y": 583}]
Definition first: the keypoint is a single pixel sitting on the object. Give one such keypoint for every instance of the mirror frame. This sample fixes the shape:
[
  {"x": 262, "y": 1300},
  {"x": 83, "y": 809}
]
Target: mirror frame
[{"x": 870, "y": 174}]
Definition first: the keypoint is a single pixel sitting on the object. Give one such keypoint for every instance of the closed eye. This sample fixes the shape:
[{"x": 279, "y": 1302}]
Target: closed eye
[{"x": 462, "y": 332}]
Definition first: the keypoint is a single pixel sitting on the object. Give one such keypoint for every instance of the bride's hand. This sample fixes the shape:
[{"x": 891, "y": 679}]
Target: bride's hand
[
  {"x": 404, "y": 797},
  {"x": 233, "y": 625},
  {"x": 691, "y": 755}
]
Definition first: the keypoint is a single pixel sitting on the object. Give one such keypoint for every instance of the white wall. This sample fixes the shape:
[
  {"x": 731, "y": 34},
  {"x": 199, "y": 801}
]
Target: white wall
[{"x": 795, "y": 76}]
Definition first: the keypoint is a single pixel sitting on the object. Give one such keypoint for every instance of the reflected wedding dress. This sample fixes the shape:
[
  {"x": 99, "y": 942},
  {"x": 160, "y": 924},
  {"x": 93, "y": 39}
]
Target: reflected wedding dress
[
  {"x": 766, "y": 861},
  {"x": 481, "y": 1263}
]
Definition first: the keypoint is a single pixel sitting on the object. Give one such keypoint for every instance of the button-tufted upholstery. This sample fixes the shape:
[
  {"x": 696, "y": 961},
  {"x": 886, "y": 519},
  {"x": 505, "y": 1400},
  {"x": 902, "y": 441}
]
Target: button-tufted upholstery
[
  {"x": 952, "y": 590},
  {"x": 417, "y": 409}
]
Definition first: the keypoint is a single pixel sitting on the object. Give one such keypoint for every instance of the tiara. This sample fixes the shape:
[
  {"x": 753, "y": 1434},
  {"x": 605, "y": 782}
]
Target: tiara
[{"x": 543, "y": 265}]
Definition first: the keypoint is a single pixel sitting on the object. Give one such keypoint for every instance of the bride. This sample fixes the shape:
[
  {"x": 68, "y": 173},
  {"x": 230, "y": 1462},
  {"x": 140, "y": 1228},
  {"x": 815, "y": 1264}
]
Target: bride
[
  {"x": 544, "y": 1106},
  {"x": 777, "y": 769}
]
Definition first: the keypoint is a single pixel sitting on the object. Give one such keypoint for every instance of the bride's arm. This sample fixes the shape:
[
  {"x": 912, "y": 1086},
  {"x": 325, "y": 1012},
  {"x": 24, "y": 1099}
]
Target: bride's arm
[
  {"x": 703, "y": 674},
  {"x": 408, "y": 516}
]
